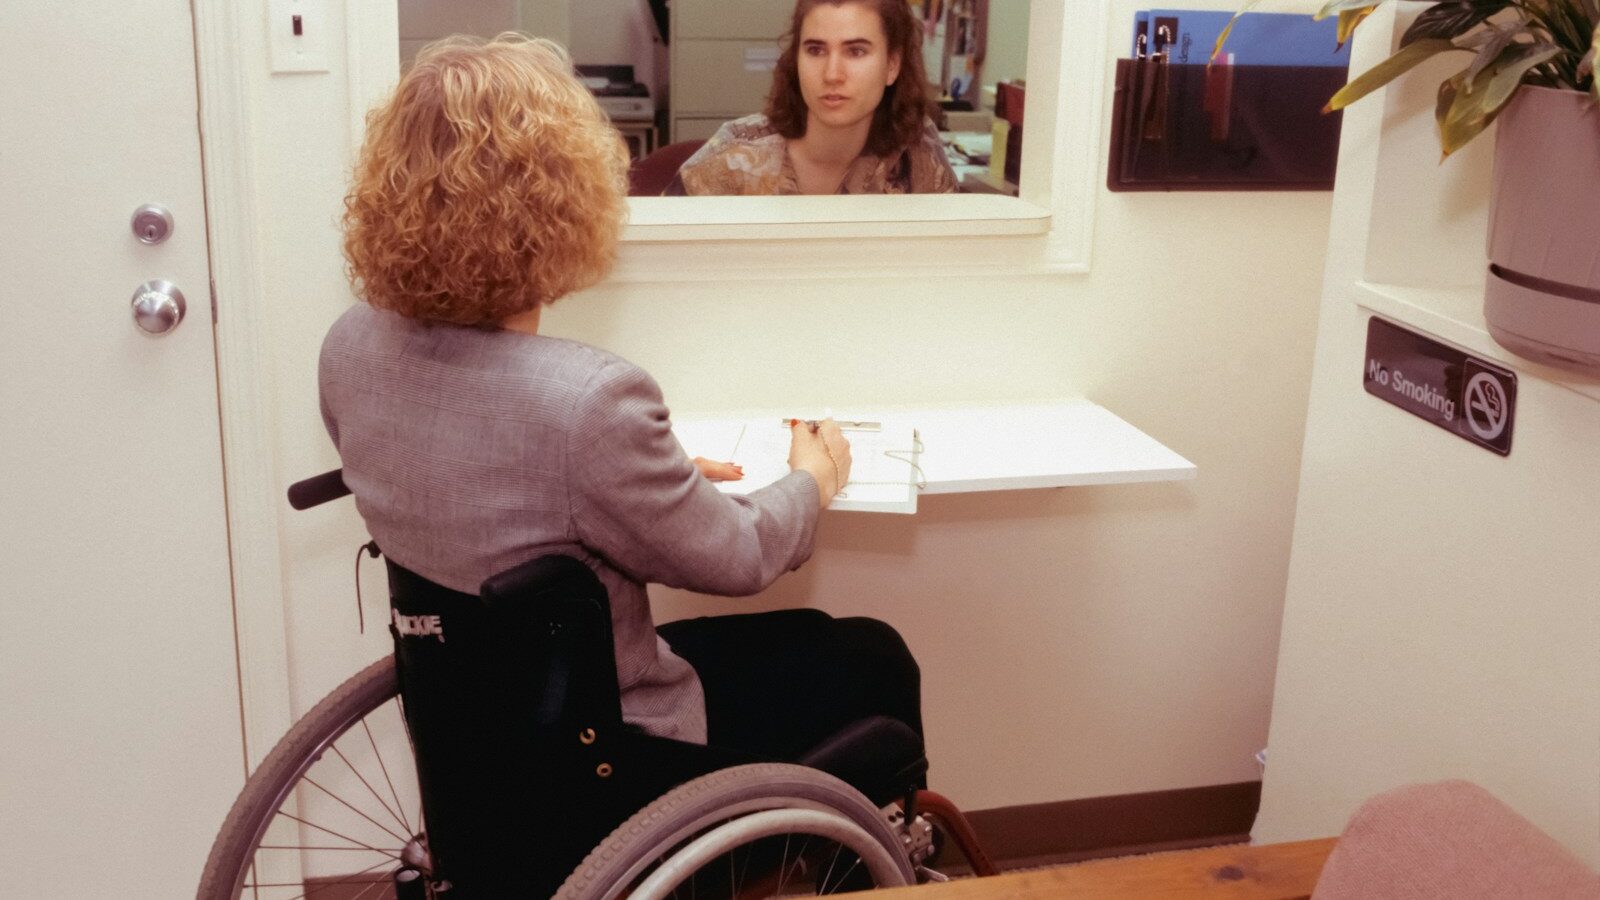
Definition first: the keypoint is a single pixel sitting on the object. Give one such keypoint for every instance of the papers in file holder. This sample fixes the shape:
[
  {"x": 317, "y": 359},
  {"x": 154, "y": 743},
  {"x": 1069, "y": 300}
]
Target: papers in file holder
[
  {"x": 1188, "y": 36},
  {"x": 1222, "y": 127},
  {"x": 883, "y": 468}
]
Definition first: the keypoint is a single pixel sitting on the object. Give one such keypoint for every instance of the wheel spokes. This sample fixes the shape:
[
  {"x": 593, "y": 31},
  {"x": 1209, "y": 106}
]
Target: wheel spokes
[
  {"x": 374, "y": 791},
  {"x": 378, "y": 755},
  {"x": 341, "y": 809}
]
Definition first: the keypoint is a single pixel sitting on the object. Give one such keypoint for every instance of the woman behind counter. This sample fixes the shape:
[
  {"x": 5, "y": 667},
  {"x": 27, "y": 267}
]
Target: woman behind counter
[{"x": 848, "y": 113}]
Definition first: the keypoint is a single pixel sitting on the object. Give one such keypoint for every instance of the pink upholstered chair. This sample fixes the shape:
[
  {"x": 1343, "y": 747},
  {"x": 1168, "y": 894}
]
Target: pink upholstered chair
[{"x": 1451, "y": 840}]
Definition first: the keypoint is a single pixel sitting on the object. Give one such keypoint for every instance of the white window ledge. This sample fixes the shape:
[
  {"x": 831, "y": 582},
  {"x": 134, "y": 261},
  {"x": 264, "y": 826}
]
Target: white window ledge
[
  {"x": 677, "y": 219},
  {"x": 723, "y": 239}
]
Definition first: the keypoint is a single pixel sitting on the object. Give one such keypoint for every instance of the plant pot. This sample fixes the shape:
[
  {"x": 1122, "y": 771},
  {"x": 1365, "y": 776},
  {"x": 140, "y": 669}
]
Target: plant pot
[{"x": 1542, "y": 296}]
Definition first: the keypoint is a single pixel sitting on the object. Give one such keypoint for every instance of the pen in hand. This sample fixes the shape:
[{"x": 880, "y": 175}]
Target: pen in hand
[
  {"x": 834, "y": 460},
  {"x": 844, "y": 424}
]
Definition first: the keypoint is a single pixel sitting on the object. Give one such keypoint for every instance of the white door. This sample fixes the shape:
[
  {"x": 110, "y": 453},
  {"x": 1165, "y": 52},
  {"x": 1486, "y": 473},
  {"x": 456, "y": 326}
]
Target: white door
[{"x": 120, "y": 742}]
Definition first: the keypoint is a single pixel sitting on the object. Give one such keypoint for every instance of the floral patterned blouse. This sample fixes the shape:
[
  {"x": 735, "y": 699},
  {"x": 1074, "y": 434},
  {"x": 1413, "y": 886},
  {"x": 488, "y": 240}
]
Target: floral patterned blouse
[{"x": 748, "y": 156}]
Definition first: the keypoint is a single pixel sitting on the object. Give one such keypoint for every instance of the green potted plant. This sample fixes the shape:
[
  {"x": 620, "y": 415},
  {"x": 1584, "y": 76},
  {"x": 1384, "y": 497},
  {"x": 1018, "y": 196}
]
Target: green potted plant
[{"x": 1530, "y": 65}]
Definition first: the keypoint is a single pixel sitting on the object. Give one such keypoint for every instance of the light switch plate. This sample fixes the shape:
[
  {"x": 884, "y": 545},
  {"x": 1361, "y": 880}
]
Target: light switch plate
[{"x": 303, "y": 52}]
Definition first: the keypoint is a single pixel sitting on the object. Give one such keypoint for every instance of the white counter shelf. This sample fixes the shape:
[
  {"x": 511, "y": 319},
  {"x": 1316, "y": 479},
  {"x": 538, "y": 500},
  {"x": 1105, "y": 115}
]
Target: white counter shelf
[{"x": 1003, "y": 446}]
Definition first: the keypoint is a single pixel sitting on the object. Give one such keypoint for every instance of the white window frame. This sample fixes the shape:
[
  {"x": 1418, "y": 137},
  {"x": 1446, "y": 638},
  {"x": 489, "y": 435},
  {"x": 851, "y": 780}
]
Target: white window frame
[{"x": 1047, "y": 229}]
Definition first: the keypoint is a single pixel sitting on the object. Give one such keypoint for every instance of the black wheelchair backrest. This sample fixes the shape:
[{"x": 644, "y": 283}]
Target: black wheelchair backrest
[
  {"x": 506, "y": 695},
  {"x": 539, "y": 633}
]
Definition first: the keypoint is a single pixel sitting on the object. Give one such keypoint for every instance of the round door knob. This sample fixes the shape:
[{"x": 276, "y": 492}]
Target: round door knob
[{"x": 158, "y": 306}]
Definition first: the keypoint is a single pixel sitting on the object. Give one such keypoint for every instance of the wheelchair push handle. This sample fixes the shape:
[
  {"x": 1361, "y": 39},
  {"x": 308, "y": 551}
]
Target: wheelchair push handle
[{"x": 317, "y": 490}]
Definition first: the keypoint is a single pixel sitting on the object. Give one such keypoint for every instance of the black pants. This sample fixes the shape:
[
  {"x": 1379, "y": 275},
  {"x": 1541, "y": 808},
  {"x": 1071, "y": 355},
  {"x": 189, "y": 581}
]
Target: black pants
[{"x": 779, "y": 683}]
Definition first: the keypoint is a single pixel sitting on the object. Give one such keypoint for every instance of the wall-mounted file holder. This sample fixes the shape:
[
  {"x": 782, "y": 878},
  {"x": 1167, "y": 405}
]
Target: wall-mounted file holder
[{"x": 1223, "y": 127}]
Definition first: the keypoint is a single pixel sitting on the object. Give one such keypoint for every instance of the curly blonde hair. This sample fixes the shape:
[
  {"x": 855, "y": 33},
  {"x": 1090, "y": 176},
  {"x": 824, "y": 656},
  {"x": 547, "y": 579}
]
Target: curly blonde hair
[{"x": 491, "y": 182}]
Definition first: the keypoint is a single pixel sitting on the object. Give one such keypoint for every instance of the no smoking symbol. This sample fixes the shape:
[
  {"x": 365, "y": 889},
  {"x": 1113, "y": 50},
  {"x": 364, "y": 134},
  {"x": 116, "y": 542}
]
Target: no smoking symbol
[{"x": 1486, "y": 406}]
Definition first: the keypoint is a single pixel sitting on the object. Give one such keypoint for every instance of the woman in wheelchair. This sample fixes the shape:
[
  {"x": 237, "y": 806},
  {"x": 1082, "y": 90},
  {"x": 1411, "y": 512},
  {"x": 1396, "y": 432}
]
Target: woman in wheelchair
[
  {"x": 480, "y": 451},
  {"x": 492, "y": 185}
]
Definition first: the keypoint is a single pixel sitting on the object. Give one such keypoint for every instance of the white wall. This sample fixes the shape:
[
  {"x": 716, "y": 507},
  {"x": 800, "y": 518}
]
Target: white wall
[
  {"x": 1006, "y": 56},
  {"x": 1443, "y": 609},
  {"x": 1074, "y": 642},
  {"x": 423, "y": 21},
  {"x": 614, "y": 32},
  {"x": 545, "y": 18}
]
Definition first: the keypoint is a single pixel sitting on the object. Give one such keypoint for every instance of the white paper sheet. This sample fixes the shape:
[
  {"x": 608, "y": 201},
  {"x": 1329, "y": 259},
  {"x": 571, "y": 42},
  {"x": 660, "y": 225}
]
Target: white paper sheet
[{"x": 883, "y": 474}]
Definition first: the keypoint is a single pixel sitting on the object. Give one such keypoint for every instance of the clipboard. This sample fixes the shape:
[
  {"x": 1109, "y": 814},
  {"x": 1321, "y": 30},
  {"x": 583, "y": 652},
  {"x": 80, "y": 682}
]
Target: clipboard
[{"x": 884, "y": 472}]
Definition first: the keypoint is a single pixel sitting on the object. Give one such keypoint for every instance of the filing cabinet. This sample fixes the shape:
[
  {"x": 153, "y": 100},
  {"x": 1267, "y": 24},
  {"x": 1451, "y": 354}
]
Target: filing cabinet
[{"x": 723, "y": 54}]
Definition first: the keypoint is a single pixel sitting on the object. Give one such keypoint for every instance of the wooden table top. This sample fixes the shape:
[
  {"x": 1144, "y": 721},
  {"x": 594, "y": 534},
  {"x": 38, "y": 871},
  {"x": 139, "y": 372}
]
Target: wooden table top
[{"x": 1285, "y": 871}]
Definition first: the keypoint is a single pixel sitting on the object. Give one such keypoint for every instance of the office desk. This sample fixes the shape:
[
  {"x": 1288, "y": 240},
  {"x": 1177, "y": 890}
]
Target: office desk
[
  {"x": 1001, "y": 447},
  {"x": 981, "y": 181}
]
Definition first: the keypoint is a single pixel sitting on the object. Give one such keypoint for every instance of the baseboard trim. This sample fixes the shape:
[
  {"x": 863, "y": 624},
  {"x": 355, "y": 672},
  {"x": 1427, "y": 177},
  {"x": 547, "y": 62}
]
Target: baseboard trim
[
  {"x": 1038, "y": 834},
  {"x": 1067, "y": 831}
]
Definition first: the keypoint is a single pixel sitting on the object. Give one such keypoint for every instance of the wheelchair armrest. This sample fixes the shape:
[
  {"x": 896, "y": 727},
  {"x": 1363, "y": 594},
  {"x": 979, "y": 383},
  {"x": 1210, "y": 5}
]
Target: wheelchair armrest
[
  {"x": 542, "y": 580},
  {"x": 569, "y": 612}
]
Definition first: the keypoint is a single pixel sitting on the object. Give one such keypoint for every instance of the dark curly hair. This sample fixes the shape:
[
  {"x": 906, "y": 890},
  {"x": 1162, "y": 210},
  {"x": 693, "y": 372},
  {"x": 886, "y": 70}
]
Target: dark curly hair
[{"x": 906, "y": 104}]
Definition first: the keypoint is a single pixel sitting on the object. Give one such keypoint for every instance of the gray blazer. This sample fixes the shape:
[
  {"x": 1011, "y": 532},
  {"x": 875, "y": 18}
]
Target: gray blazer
[{"x": 472, "y": 450}]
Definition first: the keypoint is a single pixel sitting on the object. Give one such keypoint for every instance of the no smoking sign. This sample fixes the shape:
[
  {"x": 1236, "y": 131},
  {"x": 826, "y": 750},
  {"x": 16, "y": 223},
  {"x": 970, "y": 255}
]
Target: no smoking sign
[{"x": 1462, "y": 394}]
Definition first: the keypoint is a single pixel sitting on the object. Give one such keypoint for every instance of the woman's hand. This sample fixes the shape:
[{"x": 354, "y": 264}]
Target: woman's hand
[
  {"x": 718, "y": 471},
  {"x": 823, "y": 452}
]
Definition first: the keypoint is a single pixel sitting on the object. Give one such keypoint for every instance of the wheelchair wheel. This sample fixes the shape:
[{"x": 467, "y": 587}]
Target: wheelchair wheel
[
  {"x": 334, "y": 806},
  {"x": 761, "y": 830}
]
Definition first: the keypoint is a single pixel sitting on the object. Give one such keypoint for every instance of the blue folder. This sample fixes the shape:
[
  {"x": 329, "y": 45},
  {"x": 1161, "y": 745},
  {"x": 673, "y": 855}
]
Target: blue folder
[{"x": 1257, "y": 39}]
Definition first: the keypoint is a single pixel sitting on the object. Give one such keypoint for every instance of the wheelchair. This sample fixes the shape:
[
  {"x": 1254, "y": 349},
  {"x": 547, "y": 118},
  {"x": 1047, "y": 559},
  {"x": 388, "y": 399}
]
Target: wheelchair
[{"x": 488, "y": 758}]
